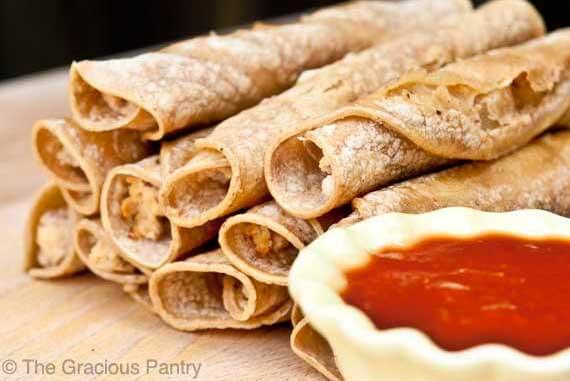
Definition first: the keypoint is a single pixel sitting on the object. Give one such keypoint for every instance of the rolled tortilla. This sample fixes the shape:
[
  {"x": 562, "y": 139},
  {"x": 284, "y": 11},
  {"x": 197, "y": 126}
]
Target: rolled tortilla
[
  {"x": 139, "y": 294},
  {"x": 176, "y": 153},
  {"x": 534, "y": 177},
  {"x": 228, "y": 175},
  {"x": 135, "y": 222},
  {"x": 206, "y": 291},
  {"x": 78, "y": 160},
  {"x": 472, "y": 109},
  {"x": 207, "y": 79},
  {"x": 264, "y": 241},
  {"x": 48, "y": 238},
  {"x": 96, "y": 250}
]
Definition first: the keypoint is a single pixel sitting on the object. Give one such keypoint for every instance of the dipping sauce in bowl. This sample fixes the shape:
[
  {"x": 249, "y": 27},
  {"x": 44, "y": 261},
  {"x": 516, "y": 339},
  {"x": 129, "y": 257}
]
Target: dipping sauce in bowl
[{"x": 463, "y": 292}]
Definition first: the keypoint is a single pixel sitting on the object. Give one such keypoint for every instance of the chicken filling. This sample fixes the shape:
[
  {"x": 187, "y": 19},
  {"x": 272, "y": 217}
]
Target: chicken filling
[
  {"x": 143, "y": 212},
  {"x": 54, "y": 238},
  {"x": 264, "y": 240}
]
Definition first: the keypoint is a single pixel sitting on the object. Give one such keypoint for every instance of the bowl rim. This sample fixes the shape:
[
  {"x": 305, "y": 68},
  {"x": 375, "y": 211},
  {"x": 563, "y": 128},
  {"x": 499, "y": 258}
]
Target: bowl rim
[{"x": 341, "y": 249}]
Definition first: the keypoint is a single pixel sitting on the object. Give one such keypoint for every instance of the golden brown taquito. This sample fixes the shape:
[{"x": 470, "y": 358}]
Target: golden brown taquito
[
  {"x": 228, "y": 175},
  {"x": 206, "y": 291},
  {"x": 78, "y": 160},
  {"x": 462, "y": 111},
  {"x": 264, "y": 241},
  {"x": 48, "y": 238},
  {"x": 534, "y": 177},
  {"x": 139, "y": 294},
  {"x": 135, "y": 221},
  {"x": 207, "y": 79},
  {"x": 96, "y": 250}
]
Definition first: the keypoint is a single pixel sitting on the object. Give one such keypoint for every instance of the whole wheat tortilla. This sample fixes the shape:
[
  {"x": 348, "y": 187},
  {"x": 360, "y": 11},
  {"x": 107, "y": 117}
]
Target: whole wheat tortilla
[
  {"x": 387, "y": 136},
  {"x": 206, "y": 79},
  {"x": 48, "y": 237},
  {"x": 176, "y": 153},
  {"x": 264, "y": 241},
  {"x": 534, "y": 177},
  {"x": 227, "y": 175},
  {"x": 96, "y": 250},
  {"x": 146, "y": 252},
  {"x": 205, "y": 291},
  {"x": 78, "y": 160}
]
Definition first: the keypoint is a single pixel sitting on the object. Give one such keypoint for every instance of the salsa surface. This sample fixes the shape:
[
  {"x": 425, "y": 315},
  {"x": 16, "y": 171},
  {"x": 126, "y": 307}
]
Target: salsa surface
[{"x": 464, "y": 292}]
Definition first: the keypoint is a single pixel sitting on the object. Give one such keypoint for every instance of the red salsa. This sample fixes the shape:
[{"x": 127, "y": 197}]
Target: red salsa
[{"x": 465, "y": 292}]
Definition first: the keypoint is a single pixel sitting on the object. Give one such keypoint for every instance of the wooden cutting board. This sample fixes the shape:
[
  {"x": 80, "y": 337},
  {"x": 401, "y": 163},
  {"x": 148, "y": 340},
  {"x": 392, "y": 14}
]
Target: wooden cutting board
[{"x": 84, "y": 320}]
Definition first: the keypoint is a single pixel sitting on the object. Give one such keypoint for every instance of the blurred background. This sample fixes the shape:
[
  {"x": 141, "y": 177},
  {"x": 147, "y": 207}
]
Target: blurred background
[{"x": 37, "y": 35}]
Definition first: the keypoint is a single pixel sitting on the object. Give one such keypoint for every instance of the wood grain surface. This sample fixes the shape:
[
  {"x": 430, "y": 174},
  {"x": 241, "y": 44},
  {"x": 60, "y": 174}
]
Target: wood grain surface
[{"x": 84, "y": 319}]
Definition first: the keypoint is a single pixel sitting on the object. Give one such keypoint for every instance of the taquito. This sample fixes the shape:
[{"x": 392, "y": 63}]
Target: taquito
[
  {"x": 534, "y": 177},
  {"x": 264, "y": 241},
  {"x": 48, "y": 237},
  {"x": 135, "y": 221},
  {"x": 79, "y": 160},
  {"x": 228, "y": 175},
  {"x": 139, "y": 294},
  {"x": 206, "y": 291},
  {"x": 207, "y": 79},
  {"x": 479, "y": 109},
  {"x": 96, "y": 250}
]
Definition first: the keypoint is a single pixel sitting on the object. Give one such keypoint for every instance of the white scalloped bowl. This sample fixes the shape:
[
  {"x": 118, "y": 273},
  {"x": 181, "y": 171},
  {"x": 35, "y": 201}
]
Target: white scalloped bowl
[{"x": 364, "y": 352}]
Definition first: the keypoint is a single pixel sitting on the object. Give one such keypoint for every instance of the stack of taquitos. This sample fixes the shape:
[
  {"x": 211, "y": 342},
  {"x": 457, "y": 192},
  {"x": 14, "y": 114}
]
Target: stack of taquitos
[
  {"x": 479, "y": 108},
  {"x": 133, "y": 218},
  {"x": 118, "y": 103},
  {"x": 534, "y": 177},
  {"x": 206, "y": 79},
  {"x": 488, "y": 106},
  {"x": 227, "y": 174}
]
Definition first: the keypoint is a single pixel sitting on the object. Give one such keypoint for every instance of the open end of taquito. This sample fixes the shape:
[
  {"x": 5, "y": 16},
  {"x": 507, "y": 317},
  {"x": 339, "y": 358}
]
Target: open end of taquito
[
  {"x": 135, "y": 221},
  {"x": 264, "y": 241},
  {"x": 303, "y": 178},
  {"x": 201, "y": 190},
  {"x": 206, "y": 291},
  {"x": 97, "y": 106},
  {"x": 101, "y": 257},
  {"x": 79, "y": 160},
  {"x": 311, "y": 347},
  {"x": 48, "y": 237},
  {"x": 327, "y": 167}
]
